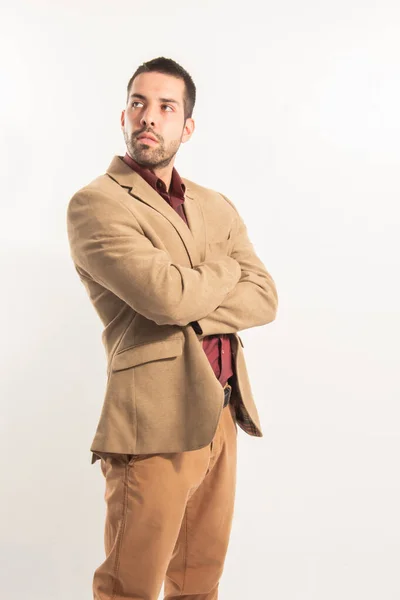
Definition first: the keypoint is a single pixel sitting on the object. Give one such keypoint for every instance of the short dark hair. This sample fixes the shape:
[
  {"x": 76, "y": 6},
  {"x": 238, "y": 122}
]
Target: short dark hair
[{"x": 169, "y": 67}]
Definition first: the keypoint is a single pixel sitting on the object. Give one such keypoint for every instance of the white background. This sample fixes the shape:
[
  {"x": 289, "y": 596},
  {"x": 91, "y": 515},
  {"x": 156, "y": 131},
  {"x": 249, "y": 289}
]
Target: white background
[{"x": 298, "y": 122}]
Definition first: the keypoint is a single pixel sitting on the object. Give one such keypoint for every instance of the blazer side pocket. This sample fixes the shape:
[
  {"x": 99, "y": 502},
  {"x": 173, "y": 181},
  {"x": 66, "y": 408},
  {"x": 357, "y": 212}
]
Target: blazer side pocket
[{"x": 150, "y": 351}]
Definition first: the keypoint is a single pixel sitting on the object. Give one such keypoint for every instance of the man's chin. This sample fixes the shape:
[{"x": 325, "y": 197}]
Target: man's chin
[
  {"x": 143, "y": 159},
  {"x": 144, "y": 153}
]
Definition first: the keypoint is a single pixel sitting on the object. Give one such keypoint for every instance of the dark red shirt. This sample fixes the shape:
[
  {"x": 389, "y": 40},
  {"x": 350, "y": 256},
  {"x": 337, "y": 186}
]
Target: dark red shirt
[{"x": 217, "y": 347}]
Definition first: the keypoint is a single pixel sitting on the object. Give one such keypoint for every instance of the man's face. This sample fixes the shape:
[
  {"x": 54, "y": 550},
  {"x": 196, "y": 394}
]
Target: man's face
[{"x": 155, "y": 106}]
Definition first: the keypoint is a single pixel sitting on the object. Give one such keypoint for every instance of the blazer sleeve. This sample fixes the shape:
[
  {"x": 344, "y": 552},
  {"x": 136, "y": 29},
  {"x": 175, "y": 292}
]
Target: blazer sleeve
[
  {"x": 254, "y": 299},
  {"x": 107, "y": 242}
]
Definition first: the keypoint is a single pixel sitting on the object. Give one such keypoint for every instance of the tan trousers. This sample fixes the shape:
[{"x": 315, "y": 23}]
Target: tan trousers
[{"x": 168, "y": 520}]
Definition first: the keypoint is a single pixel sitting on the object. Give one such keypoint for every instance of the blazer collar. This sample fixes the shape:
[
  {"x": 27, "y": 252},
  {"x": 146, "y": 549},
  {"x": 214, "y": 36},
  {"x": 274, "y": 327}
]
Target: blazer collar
[{"x": 194, "y": 236}]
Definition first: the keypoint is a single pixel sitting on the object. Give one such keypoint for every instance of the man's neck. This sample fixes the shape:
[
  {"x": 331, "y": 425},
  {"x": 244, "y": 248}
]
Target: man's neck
[{"x": 164, "y": 173}]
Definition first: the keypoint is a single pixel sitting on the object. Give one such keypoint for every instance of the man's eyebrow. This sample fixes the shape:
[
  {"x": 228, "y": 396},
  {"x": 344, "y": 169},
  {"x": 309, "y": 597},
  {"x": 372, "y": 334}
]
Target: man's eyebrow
[{"x": 170, "y": 100}]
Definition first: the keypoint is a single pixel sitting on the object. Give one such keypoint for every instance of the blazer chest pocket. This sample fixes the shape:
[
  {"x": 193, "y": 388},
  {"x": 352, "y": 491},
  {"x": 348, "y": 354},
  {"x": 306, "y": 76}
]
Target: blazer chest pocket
[
  {"x": 220, "y": 247},
  {"x": 147, "y": 352}
]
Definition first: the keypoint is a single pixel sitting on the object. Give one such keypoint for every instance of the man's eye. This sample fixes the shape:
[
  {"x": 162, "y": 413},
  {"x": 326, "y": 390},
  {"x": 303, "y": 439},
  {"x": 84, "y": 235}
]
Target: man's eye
[{"x": 163, "y": 105}]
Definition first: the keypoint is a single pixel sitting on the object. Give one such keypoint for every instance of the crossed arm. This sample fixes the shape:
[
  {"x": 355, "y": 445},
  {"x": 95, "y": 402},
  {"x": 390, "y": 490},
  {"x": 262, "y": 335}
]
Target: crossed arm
[
  {"x": 108, "y": 244},
  {"x": 223, "y": 295}
]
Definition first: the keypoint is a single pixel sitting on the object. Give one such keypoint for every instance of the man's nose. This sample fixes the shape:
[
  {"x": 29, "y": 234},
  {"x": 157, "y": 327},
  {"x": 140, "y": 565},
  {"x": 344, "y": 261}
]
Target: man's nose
[{"x": 147, "y": 118}]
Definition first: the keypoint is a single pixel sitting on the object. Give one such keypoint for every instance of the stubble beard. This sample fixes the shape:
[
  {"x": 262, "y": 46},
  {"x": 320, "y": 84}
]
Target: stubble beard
[{"x": 151, "y": 157}]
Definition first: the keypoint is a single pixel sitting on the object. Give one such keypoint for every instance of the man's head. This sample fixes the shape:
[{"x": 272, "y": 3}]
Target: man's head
[{"x": 160, "y": 100}]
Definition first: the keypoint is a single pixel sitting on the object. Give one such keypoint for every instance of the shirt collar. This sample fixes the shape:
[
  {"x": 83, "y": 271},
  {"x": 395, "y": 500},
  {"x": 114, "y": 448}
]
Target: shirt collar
[{"x": 177, "y": 187}]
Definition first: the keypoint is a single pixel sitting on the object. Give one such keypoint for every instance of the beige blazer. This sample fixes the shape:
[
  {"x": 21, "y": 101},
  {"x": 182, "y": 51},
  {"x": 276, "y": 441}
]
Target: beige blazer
[{"x": 149, "y": 276}]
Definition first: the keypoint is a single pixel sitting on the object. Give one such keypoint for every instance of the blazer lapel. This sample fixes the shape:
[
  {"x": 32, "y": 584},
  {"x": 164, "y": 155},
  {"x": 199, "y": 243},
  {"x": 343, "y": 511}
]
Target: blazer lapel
[{"x": 194, "y": 236}]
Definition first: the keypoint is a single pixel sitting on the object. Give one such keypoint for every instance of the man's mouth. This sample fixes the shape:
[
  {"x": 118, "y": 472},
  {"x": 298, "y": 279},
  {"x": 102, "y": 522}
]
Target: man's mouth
[{"x": 147, "y": 140}]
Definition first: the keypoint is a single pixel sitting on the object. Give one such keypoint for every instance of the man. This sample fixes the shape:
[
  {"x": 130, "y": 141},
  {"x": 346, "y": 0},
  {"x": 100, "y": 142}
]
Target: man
[{"x": 173, "y": 276}]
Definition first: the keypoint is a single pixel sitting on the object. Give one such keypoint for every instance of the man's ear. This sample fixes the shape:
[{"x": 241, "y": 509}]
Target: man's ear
[
  {"x": 188, "y": 130},
  {"x": 123, "y": 118}
]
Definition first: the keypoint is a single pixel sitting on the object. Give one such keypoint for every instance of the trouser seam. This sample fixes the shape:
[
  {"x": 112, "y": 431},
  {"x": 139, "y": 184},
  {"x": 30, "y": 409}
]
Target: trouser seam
[
  {"x": 119, "y": 542},
  {"x": 186, "y": 549}
]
